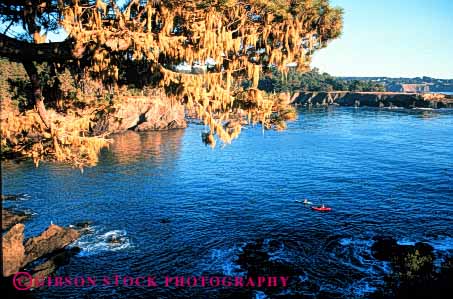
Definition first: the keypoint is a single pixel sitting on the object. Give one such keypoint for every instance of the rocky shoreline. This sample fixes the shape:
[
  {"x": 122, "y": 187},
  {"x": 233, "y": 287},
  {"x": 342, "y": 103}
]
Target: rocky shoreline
[
  {"x": 413, "y": 272},
  {"x": 19, "y": 254},
  {"x": 373, "y": 99},
  {"x": 39, "y": 256},
  {"x": 412, "y": 275},
  {"x": 142, "y": 113}
]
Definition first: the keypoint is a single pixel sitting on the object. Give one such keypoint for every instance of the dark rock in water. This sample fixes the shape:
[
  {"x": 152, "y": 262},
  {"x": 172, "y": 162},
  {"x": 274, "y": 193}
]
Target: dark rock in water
[
  {"x": 10, "y": 197},
  {"x": 260, "y": 258},
  {"x": 236, "y": 293},
  {"x": 384, "y": 248},
  {"x": 164, "y": 220},
  {"x": 114, "y": 239},
  {"x": 255, "y": 259},
  {"x": 406, "y": 257},
  {"x": 10, "y": 218},
  {"x": 274, "y": 245},
  {"x": 84, "y": 224},
  {"x": 424, "y": 249},
  {"x": 428, "y": 284},
  {"x": 413, "y": 273},
  {"x": 329, "y": 295},
  {"x": 58, "y": 259}
]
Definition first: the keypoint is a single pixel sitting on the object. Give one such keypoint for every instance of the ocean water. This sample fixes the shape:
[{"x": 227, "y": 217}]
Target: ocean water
[{"x": 180, "y": 208}]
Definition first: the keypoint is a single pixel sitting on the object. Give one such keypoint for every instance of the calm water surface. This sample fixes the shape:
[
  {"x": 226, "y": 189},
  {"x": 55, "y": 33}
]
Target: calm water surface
[{"x": 181, "y": 208}]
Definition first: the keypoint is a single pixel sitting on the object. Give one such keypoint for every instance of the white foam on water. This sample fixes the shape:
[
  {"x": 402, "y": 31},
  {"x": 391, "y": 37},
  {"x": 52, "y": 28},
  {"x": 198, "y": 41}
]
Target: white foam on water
[
  {"x": 356, "y": 253},
  {"x": 443, "y": 247},
  {"x": 405, "y": 242},
  {"x": 224, "y": 259},
  {"x": 95, "y": 242},
  {"x": 442, "y": 244},
  {"x": 221, "y": 260},
  {"x": 345, "y": 241},
  {"x": 281, "y": 254},
  {"x": 303, "y": 278},
  {"x": 362, "y": 243}
]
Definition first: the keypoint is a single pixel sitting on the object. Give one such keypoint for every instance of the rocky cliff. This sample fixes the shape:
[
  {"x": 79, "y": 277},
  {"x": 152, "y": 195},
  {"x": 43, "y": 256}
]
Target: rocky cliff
[
  {"x": 16, "y": 254},
  {"x": 142, "y": 113},
  {"x": 373, "y": 99}
]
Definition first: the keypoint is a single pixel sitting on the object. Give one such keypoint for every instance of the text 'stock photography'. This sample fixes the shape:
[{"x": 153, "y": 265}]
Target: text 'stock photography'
[{"x": 226, "y": 149}]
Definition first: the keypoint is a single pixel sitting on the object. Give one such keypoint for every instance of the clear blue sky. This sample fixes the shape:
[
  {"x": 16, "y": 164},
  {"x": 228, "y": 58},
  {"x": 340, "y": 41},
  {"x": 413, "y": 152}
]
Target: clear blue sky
[{"x": 395, "y": 38}]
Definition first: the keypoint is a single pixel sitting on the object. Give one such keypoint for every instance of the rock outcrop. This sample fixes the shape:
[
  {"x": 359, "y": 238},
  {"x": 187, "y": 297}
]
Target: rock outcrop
[
  {"x": 13, "y": 250},
  {"x": 52, "y": 239},
  {"x": 60, "y": 258},
  {"x": 142, "y": 113},
  {"x": 16, "y": 255},
  {"x": 11, "y": 197},
  {"x": 413, "y": 273},
  {"x": 406, "y": 259},
  {"x": 10, "y": 218},
  {"x": 373, "y": 99}
]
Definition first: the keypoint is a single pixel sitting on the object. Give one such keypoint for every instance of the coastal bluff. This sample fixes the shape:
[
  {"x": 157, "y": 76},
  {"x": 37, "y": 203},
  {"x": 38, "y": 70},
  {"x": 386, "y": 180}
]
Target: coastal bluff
[
  {"x": 142, "y": 113},
  {"x": 373, "y": 99}
]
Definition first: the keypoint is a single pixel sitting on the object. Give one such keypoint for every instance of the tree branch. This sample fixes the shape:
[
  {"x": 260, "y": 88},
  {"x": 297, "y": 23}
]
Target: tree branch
[{"x": 20, "y": 51}]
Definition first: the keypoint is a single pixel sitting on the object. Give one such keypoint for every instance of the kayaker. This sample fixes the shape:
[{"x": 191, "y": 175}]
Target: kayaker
[
  {"x": 323, "y": 206},
  {"x": 306, "y": 201}
]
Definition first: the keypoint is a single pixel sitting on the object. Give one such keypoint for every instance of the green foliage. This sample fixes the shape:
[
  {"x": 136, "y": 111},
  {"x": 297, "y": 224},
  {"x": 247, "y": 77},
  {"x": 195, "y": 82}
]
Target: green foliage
[
  {"x": 314, "y": 81},
  {"x": 416, "y": 263},
  {"x": 14, "y": 83}
]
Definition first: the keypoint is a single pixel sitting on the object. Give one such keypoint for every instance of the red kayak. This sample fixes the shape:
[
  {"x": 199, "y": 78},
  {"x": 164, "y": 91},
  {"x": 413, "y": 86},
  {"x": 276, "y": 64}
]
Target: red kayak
[{"x": 322, "y": 209}]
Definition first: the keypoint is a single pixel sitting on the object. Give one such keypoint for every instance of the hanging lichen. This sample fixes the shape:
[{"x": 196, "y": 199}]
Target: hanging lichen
[
  {"x": 240, "y": 39},
  {"x": 203, "y": 53}
]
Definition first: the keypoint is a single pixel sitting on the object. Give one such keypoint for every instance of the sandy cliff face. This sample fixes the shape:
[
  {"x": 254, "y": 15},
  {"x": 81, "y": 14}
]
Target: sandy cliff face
[
  {"x": 142, "y": 113},
  {"x": 373, "y": 99}
]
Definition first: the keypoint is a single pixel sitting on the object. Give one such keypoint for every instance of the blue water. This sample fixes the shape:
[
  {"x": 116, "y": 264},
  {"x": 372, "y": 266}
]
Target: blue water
[{"x": 181, "y": 208}]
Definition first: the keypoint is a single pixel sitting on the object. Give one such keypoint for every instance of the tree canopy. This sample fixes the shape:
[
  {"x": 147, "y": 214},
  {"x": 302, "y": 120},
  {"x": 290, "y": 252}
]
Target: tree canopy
[
  {"x": 313, "y": 80},
  {"x": 201, "y": 52}
]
